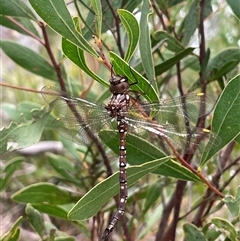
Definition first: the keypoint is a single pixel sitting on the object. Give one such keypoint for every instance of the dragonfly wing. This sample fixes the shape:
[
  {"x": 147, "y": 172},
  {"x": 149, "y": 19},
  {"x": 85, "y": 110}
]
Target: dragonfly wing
[
  {"x": 183, "y": 140},
  {"x": 189, "y": 107},
  {"x": 75, "y": 118}
]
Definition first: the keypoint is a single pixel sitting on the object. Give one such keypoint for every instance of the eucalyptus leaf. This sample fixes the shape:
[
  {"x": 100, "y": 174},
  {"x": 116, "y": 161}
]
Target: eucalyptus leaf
[
  {"x": 56, "y": 15},
  {"x": 25, "y": 22},
  {"x": 137, "y": 81},
  {"x": 226, "y": 112},
  {"x": 145, "y": 43},
  {"x": 172, "y": 43},
  {"x": 97, "y": 7},
  {"x": 92, "y": 202},
  {"x": 29, "y": 59},
  {"x": 22, "y": 135},
  {"x": 8, "y": 170},
  {"x": 192, "y": 233},
  {"x": 131, "y": 25},
  {"x": 43, "y": 193},
  {"x": 16, "y": 8},
  {"x": 76, "y": 55},
  {"x": 167, "y": 64},
  {"x": 35, "y": 219}
]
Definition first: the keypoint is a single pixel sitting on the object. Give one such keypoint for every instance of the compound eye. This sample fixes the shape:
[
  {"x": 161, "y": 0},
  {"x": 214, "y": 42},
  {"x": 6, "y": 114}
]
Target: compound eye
[
  {"x": 118, "y": 84},
  {"x": 119, "y": 88}
]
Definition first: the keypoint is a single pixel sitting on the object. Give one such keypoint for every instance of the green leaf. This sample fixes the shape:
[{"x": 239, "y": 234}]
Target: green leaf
[
  {"x": 23, "y": 135},
  {"x": 92, "y": 202},
  {"x": 153, "y": 193},
  {"x": 210, "y": 232},
  {"x": 97, "y": 8},
  {"x": 172, "y": 43},
  {"x": 64, "y": 238},
  {"x": 226, "y": 112},
  {"x": 131, "y": 25},
  {"x": 53, "y": 210},
  {"x": 14, "y": 233},
  {"x": 76, "y": 55},
  {"x": 146, "y": 152},
  {"x": 227, "y": 228},
  {"x": 192, "y": 233},
  {"x": 43, "y": 193},
  {"x": 235, "y": 6},
  {"x": 26, "y": 23},
  {"x": 142, "y": 86},
  {"x": 60, "y": 212},
  {"x": 16, "y": 8},
  {"x": 56, "y": 15},
  {"x": 20, "y": 113},
  {"x": 63, "y": 167},
  {"x": 233, "y": 203},
  {"x": 145, "y": 43},
  {"x": 191, "y": 21},
  {"x": 222, "y": 63},
  {"x": 7, "y": 171},
  {"x": 35, "y": 219},
  {"x": 28, "y": 59},
  {"x": 166, "y": 65}
]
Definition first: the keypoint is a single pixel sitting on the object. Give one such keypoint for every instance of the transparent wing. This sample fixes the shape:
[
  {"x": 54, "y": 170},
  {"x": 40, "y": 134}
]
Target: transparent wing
[
  {"x": 78, "y": 119},
  {"x": 169, "y": 137},
  {"x": 75, "y": 118},
  {"x": 174, "y": 111}
]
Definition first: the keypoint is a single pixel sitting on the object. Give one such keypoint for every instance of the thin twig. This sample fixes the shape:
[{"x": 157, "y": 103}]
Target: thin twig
[
  {"x": 25, "y": 29},
  {"x": 117, "y": 24}
]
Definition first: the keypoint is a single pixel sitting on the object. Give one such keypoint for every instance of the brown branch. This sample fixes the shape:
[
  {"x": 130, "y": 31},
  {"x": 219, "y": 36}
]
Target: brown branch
[
  {"x": 202, "y": 44},
  {"x": 116, "y": 18},
  {"x": 25, "y": 29}
]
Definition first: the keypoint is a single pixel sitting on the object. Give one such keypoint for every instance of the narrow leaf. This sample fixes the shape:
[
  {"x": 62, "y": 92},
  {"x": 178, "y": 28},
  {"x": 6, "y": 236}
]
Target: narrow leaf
[
  {"x": 53, "y": 210},
  {"x": 172, "y": 43},
  {"x": 64, "y": 238},
  {"x": 191, "y": 21},
  {"x": 76, "y": 55},
  {"x": 166, "y": 65},
  {"x": 63, "y": 167},
  {"x": 43, "y": 193},
  {"x": 222, "y": 63},
  {"x": 26, "y": 23},
  {"x": 28, "y": 59},
  {"x": 9, "y": 168},
  {"x": 92, "y": 202},
  {"x": 131, "y": 25},
  {"x": 14, "y": 232},
  {"x": 16, "y": 8},
  {"x": 56, "y": 15},
  {"x": 146, "y": 152},
  {"x": 35, "y": 219},
  {"x": 97, "y": 8},
  {"x": 139, "y": 83},
  {"x": 145, "y": 43},
  {"x": 227, "y": 111}
]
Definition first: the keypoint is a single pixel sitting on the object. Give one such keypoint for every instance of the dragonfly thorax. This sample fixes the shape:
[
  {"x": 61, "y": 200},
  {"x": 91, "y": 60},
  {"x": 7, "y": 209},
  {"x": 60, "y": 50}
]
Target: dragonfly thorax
[
  {"x": 118, "y": 84},
  {"x": 118, "y": 105}
]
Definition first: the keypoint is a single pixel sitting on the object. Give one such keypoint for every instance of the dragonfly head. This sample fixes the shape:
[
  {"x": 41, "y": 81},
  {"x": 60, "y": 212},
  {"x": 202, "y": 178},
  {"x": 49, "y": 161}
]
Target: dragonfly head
[{"x": 118, "y": 84}]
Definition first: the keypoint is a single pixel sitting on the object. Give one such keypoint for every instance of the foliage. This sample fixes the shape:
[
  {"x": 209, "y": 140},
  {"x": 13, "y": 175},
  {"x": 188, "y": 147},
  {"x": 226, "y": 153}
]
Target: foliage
[{"x": 172, "y": 47}]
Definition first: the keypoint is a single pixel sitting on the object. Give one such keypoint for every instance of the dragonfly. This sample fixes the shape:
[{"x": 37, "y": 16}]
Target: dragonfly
[{"x": 168, "y": 123}]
